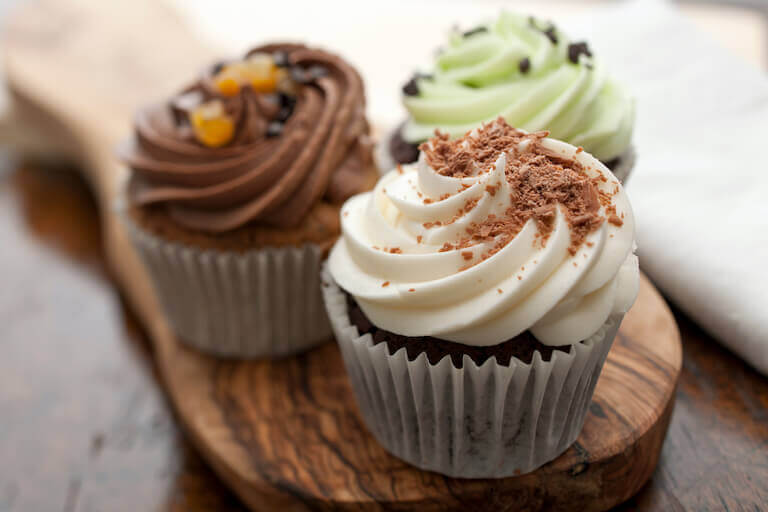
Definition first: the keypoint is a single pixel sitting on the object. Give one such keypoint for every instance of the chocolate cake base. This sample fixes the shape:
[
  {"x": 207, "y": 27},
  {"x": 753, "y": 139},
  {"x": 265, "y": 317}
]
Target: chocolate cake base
[
  {"x": 404, "y": 152},
  {"x": 521, "y": 347},
  {"x": 321, "y": 227}
]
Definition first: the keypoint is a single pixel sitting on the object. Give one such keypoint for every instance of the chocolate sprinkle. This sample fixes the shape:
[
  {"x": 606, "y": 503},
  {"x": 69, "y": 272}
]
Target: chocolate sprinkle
[
  {"x": 217, "y": 67},
  {"x": 315, "y": 72},
  {"x": 274, "y": 129},
  {"x": 300, "y": 75},
  {"x": 281, "y": 59},
  {"x": 476, "y": 30},
  {"x": 283, "y": 114},
  {"x": 537, "y": 179},
  {"x": 524, "y": 65},
  {"x": 308, "y": 75},
  {"x": 550, "y": 31},
  {"x": 286, "y": 100},
  {"x": 286, "y": 103},
  {"x": 411, "y": 88},
  {"x": 575, "y": 50}
]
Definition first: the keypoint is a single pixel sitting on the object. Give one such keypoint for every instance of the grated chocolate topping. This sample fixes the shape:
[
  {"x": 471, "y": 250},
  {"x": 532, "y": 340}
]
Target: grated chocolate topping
[
  {"x": 539, "y": 181},
  {"x": 469, "y": 156}
]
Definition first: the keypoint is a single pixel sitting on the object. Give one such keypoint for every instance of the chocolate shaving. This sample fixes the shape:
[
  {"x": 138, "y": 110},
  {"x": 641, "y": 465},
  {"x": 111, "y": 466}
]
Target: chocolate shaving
[
  {"x": 451, "y": 158},
  {"x": 577, "y": 49},
  {"x": 411, "y": 87},
  {"x": 316, "y": 72},
  {"x": 274, "y": 129},
  {"x": 539, "y": 183},
  {"x": 300, "y": 75},
  {"x": 217, "y": 67},
  {"x": 476, "y": 30},
  {"x": 550, "y": 31},
  {"x": 280, "y": 59},
  {"x": 286, "y": 107},
  {"x": 524, "y": 65}
]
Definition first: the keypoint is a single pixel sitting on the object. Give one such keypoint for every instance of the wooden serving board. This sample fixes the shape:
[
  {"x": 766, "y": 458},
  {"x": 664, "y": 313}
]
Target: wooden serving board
[{"x": 287, "y": 433}]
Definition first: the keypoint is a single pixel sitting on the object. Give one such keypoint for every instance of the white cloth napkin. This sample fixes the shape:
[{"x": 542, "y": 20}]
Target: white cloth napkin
[{"x": 700, "y": 188}]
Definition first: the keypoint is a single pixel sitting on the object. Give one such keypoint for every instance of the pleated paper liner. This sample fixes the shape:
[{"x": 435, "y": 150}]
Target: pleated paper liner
[
  {"x": 487, "y": 421},
  {"x": 260, "y": 303}
]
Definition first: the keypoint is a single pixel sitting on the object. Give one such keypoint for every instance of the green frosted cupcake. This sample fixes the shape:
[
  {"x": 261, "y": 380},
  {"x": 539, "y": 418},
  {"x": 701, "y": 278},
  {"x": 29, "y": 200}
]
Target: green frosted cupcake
[{"x": 527, "y": 71}]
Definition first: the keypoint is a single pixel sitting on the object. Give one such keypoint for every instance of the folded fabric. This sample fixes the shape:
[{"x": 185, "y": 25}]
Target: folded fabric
[{"x": 700, "y": 188}]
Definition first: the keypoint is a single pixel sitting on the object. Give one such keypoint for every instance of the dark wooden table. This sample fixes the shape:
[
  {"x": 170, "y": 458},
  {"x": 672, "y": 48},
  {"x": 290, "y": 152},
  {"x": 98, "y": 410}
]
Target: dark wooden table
[{"x": 84, "y": 425}]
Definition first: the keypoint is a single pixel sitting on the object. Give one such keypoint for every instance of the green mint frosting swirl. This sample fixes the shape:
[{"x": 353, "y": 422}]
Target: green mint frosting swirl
[{"x": 528, "y": 72}]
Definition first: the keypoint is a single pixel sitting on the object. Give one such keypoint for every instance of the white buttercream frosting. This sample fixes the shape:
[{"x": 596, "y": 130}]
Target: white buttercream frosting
[{"x": 393, "y": 258}]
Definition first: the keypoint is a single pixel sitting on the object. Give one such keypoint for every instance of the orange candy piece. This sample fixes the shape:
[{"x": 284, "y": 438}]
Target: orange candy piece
[
  {"x": 259, "y": 71},
  {"x": 264, "y": 84},
  {"x": 228, "y": 86},
  {"x": 284, "y": 83},
  {"x": 212, "y": 126}
]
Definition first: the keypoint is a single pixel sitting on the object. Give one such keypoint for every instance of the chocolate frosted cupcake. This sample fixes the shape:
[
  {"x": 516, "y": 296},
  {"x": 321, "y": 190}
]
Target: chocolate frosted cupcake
[
  {"x": 475, "y": 295},
  {"x": 234, "y": 196},
  {"x": 527, "y": 71}
]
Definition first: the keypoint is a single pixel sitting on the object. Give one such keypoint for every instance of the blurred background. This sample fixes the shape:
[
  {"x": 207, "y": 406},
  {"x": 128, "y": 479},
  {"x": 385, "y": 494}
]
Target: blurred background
[
  {"x": 84, "y": 424},
  {"x": 388, "y": 41}
]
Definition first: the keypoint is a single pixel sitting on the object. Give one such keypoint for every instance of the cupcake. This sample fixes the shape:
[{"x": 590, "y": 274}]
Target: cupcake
[
  {"x": 475, "y": 295},
  {"x": 234, "y": 195},
  {"x": 528, "y": 72}
]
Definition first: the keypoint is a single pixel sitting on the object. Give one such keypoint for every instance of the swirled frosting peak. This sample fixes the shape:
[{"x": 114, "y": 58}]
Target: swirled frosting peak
[
  {"x": 490, "y": 235},
  {"x": 527, "y": 71},
  {"x": 261, "y": 139}
]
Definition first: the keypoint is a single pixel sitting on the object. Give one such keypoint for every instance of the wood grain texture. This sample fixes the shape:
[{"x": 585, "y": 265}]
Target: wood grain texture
[
  {"x": 286, "y": 434},
  {"x": 84, "y": 424},
  {"x": 97, "y": 434}
]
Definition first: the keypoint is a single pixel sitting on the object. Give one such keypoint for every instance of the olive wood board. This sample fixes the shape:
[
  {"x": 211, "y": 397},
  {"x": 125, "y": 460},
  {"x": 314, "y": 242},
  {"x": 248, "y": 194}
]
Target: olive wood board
[{"x": 286, "y": 434}]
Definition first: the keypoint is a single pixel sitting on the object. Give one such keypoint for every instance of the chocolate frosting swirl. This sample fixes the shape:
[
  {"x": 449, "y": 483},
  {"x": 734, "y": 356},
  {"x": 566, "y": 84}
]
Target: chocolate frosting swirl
[{"x": 322, "y": 152}]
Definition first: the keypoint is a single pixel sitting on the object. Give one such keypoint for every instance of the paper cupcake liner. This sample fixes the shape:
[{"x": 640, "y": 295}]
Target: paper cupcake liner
[
  {"x": 260, "y": 303},
  {"x": 487, "y": 421},
  {"x": 385, "y": 163}
]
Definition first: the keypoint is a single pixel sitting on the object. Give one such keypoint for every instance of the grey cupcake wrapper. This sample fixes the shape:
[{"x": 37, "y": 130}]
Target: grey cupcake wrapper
[
  {"x": 257, "y": 304},
  {"x": 626, "y": 164},
  {"x": 487, "y": 421},
  {"x": 386, "y": 163}
]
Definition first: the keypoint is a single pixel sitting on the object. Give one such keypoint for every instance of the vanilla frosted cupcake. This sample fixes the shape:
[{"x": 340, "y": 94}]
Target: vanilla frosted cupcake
[
  {"x": 475, "y": 295},
  {"x": 234, "y": 196},
  {"x": 527, "y": 71}
]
